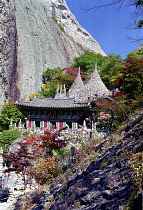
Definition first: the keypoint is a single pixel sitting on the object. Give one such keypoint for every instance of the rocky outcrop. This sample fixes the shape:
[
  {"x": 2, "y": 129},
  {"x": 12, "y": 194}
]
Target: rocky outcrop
[
  {"x": 8, "y": 52},
  {"x": 30, "y": 43},
  {"x": 41, "y": 44},
  {"x": 60, "y": 10},
  {"x": 138, "y": 48}
]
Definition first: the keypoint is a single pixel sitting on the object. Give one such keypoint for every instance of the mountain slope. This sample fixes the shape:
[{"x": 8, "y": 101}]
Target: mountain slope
[{"x": 108, "y": 182}]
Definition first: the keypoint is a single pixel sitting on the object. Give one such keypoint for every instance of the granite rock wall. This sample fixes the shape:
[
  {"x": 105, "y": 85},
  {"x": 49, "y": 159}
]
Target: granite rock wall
[
  {"x": 60, "y": 10},
  {"x": 31, "y": 42},
  {"x": 8, "y": 52}
]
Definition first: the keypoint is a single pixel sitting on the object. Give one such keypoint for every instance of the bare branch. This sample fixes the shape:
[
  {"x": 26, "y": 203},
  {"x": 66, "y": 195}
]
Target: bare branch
[
  {"x": 136, "y": 15},
  {"x": 134, "y": 40},
  {"x": 114, "y": 2}
]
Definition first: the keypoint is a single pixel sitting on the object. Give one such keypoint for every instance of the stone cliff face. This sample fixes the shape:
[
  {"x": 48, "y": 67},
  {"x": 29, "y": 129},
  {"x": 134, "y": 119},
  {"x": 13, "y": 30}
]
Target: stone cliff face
[
  {"x": 30, "y": 42},
  {"x": 60, "y": 10},
  {"x": 8, "y": 51}
]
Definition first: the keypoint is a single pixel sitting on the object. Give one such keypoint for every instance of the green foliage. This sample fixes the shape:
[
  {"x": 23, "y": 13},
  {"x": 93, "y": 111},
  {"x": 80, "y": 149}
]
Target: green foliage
[
  {"x": 136, "y": 176},
  {"x": 25, "y": 133},
  {"x": 32, "y": 96},
  {"x": 56, "y": 153},
  {"x": 61, "y": 27},
  {"x": 109, "y": 70},
  {"x": 137, "y": 55},
  {"x": 51, "y": 72},
  {"x": 58, "y": 24},
  {"x": 49, "y": 88},
  {"x": 108, "y": 66},
  {"x": 87, "y": 61},
  {"x": 53, "y": 77},
  {"x": 10, "y": 111},
  {"x": 139, "y": 2},
  {"x": 54, "y": 19},
  {"x": 7, "y": 137}
]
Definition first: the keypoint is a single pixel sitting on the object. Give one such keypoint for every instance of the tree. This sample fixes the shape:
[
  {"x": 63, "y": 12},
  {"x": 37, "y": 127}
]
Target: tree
[
  {"x": 45, "y": 143},
  {"x": 107, "y": 65},
  {"x": 87, "y": 61},
  {"x": 130, "y": 78},
  {"x": 33, "y": 156},
  {"x": 7, "y": 137},
  {"x": 54, "y": 77},
  {"x": 19, "y": 160},
  {"x": 10, "y": 111},
  {"x": 138, "y": 55},
  {"x": 109, "y": 71},
  {"x": 110, "y": 112},
  {"x": 72, "y": 73}
]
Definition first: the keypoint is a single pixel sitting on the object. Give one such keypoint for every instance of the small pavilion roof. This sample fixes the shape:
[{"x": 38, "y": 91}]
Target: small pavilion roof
[
  {"x": 76, "y": 86},
  {"x": 52, "y": 103},
  {"x": 96, "y": 85}
]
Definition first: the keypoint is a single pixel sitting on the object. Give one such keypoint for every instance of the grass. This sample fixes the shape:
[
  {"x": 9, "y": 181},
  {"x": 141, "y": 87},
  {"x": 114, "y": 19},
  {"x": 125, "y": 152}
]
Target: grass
[{"x": 58, "y": 24}]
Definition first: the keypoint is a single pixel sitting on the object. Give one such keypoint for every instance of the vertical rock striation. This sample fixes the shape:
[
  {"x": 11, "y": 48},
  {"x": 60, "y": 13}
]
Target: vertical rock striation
[
  {"x": 41, "y": 45},
  {"x": 8, "y": 52}
]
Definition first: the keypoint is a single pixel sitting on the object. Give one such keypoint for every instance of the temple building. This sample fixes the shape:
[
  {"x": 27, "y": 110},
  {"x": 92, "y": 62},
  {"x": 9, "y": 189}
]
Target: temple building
[
  {"x": 47, "y": 112},
  {"x": 65, "y": 109}
]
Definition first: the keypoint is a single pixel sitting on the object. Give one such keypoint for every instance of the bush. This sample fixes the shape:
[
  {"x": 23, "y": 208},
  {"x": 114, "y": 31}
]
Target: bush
[
  {"x": 45, "y": 170},
  {"x": 7, "y": 137},
  {"x": 10, "y": 111},
  {"x": 26, "y": 133}
]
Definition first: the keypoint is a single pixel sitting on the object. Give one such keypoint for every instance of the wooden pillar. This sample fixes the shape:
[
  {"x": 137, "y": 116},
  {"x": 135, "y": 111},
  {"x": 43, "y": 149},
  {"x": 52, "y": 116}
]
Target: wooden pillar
[
  {"x": 57, "y": 125},
  {"x": 29, "y": 124},
  {"x": 48, "y": 125},
  {"x": 73, "y": 125},
  {"x": 60, "y": 125},
  {"x": 76, "y": 125},
  {"x": 45, "y": 124},
  {"x": 64, "y": 124},
  {"x": 32, "y": 124},
  {"x": 41, "y": 124}
]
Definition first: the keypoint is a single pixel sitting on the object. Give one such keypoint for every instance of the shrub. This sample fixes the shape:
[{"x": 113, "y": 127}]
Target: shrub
[
  {"x": 26, "y": 133},
  {"x": 7, "y": 137},
  {"x": 45, "y": 170},
  {"x": 10, "y": 111}
]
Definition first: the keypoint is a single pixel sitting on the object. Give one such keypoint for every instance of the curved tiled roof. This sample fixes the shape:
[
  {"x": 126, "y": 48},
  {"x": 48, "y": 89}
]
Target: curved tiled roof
[{"x": 52, "y": 103}]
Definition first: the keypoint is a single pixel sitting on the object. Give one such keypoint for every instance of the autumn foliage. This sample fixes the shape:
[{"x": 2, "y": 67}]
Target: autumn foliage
[
  {"x": 130, "y": 77},
  {"x": 44, "y": 170},
  {"x": 73, "y": 73},
  {"x": 34, "y": 156}
]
